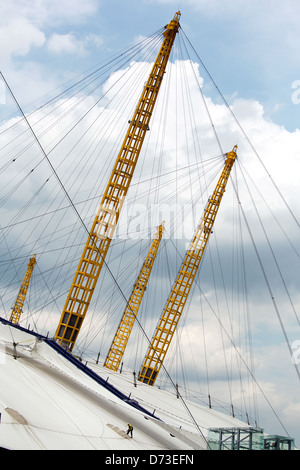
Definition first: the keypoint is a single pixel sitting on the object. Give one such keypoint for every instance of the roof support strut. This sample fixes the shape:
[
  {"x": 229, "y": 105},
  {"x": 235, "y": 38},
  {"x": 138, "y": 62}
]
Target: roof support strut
[
  {"x": 119, "y": 343},
  {"x": 175, "y": 304},
  {"x": 19, "y": 303},
  {"x": 101, "y": 233}
]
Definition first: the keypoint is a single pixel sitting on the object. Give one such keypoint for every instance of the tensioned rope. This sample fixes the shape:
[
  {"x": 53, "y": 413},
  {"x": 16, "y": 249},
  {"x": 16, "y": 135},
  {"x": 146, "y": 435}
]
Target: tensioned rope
[
  {"x": 271, "y": 293},
  {"x": 18, "y": 184},
  {"x": 70, "y": 200},
  {"x": 244, "y": 133},
  {"x": 45, "y": 155}
]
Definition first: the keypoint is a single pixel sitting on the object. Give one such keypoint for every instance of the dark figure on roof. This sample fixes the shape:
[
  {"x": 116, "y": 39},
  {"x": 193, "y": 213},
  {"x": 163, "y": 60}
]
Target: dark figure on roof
[{"x": 129, "y": 430}]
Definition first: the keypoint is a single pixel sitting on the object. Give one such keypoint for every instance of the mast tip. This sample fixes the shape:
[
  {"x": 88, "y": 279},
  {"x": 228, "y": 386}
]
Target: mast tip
[{"x": 177, "y": 16}]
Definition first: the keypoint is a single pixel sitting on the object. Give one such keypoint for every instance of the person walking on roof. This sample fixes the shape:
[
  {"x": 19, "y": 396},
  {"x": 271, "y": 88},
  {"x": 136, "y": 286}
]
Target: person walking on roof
[{"x": 129, "y": 430}]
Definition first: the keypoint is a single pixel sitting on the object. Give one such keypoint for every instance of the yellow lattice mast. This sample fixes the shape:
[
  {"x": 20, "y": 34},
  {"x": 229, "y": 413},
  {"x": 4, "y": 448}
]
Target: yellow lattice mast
[
  {"x": 119, "y": 343},
  {"x": 102, "y": 231},
  {"x": 175, "y": 304},
  {"x": 19, "y": 303}
]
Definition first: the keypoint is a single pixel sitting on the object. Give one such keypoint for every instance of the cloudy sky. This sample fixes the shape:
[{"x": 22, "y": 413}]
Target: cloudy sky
[{"x": 250, "y": 49}]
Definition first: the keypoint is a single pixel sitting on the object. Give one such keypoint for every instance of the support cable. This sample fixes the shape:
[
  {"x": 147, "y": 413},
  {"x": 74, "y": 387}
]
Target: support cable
[
  {"x": 82, "y": 222},
  {"x": 244, "y": 132}
]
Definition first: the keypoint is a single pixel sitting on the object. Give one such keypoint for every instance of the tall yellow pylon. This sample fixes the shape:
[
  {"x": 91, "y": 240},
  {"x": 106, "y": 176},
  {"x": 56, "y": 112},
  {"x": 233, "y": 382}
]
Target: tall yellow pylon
[
  {"x": 103, "y": 228},
  {"x": 119, "y": 343},
  {"x": 19, "y": 303},
  {"x": 175, "y": 304}
]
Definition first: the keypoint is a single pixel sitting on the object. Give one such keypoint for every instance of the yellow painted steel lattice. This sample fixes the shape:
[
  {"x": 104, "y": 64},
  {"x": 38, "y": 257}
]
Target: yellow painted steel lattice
[
  {"x": 103, "y": 228},
  {"x": 119, "y": 343},
  {"x": 175, "y": 304},
  {"x": 19, "y": 303}
]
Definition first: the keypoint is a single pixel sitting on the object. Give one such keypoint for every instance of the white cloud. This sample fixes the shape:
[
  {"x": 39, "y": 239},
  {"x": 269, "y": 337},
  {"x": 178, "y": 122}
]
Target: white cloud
[
  {"x": 30, "y": 26},
  {"x": 65, "y": 43},
  {"x": 94, "y": 39},
  {"x": 23, "y": 25},
  {"x": 18, "y": 37},
  {"x": 69, "y": 44},
  {"x": 42, "y": 12}
]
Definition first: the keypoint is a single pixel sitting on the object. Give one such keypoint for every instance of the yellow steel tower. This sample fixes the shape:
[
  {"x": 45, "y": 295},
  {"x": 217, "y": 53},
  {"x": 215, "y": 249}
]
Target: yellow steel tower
[
  {"x": 175, "y": 304},
  {"x": 121, "y": 338},
  {"x": 101, "y": 233},
  {"x": 19, "y": 303}
]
